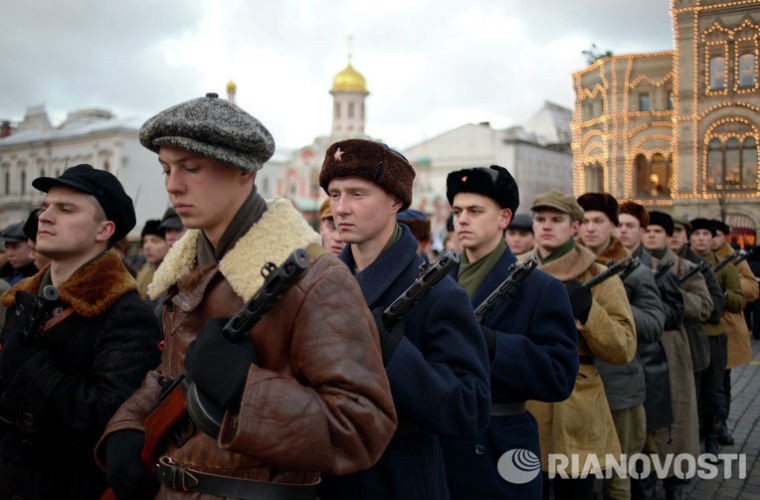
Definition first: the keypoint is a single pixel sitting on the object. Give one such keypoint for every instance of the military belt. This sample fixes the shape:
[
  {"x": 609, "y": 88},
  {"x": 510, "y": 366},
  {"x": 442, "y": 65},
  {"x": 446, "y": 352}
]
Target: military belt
[
  {"x": 182, "y": 478},
  {"x": 507, "y": 409}
]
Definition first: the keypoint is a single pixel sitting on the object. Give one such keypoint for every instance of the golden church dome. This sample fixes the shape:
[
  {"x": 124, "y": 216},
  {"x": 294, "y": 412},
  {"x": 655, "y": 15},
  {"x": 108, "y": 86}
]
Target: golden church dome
[
  {"x": 349, "y": 80},
  {"x": 231, "y": 87}
]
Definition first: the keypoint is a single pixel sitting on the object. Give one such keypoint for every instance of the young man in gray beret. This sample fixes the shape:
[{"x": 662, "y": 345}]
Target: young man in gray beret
[
  {"x": 435, "y": 354},
  {"x": 76, "y": 343},
  {"x": 305, "y": 391}
]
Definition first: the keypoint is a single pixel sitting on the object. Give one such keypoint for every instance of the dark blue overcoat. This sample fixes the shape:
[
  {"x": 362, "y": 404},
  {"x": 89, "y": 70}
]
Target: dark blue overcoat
[
  {"x": 438, "y": 376},
  {"x": 536, "y": 357}
]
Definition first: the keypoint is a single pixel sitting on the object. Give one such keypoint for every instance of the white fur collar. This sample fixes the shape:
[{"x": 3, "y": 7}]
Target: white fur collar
[{"x": 280, "y": 230}]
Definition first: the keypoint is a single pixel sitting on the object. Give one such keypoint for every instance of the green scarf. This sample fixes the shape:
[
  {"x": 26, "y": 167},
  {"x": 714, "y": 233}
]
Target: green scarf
[
  {"x": 393, "y": 239},
  {"x": 556, "y": 254},
  {"x": 247, "y": 215},
  {"x": 472, "y": 274}
]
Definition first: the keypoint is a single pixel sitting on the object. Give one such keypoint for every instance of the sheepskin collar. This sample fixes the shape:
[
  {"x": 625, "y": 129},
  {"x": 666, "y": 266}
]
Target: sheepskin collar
[
  {"x": 571, "y": 265},
  {"x": 90, "y": 291},
  {"x": 279, "y": 231},
  {"x": 615, "y": 252}
]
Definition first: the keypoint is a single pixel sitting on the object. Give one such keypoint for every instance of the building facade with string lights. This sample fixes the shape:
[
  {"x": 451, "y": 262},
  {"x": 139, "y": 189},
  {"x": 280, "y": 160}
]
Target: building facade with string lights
[{"x": 678, "y": 130}]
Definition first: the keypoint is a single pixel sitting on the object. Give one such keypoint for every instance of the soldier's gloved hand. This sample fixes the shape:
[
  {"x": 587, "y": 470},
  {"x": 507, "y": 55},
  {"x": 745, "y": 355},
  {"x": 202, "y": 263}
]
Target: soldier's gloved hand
[
  {"x": 389, "y": 339},
  {"x": 580, "y": 300},
  {"x": 124, "y": 471},
  {"x": 217, "y": 366},
  {"x": 490, "y": 337},
  {"x": 15, "y": 354}
]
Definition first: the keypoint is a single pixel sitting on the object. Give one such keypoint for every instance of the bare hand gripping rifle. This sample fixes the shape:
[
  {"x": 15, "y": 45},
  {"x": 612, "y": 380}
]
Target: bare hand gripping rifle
[
  {"x": 428, "y": 277},
  {"x": 172, "y": 404},
  {"x": 517, "y": 272},
  {"x": 622, "y": 267}
]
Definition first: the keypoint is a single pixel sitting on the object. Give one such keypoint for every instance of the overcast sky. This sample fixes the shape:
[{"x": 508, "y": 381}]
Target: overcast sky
[{"x": 430, "y": 65}]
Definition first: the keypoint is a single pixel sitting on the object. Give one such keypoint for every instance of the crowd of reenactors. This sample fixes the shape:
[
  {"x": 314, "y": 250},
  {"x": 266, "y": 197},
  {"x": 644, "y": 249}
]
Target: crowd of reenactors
[{"x": 248, "y": 356}]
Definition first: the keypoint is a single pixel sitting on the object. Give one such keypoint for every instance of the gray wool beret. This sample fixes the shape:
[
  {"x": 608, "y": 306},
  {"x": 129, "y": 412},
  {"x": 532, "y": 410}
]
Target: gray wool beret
[{"x": 212, "y": 127}]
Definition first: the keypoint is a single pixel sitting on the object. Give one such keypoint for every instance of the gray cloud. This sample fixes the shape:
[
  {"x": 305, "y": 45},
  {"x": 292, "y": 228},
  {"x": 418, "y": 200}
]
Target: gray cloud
[{"x": 430, "y": 65}]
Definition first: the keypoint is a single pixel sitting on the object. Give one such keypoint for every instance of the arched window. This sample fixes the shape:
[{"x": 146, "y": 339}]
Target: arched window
[
  {"x": 652, "y": 176},
  {"x": 22, "y": 184},
  {"x": 670, "y": 100},
  {"x": 717, "y": 72},
  {"x": 641, "y": 170},
  {"x": 337, "y": 109},
  {"x": 749, "y": 163},
  {"x": 350, "y": 109},
  {"x": 732, "y": 172},
  {"x": 594, "y": 178},
  {"x": 747, "y": 70},
  {"x": 714, "y": 164}
]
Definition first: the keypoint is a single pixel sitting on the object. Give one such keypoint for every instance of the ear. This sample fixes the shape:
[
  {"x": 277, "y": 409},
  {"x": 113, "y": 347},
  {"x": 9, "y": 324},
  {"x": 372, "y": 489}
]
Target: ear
[
  {"x": 247, "y": 176},
  {"x": 397, "y": 204},
  {"x": 105, "y": 231},
  {"x": 505, "y": 218}
]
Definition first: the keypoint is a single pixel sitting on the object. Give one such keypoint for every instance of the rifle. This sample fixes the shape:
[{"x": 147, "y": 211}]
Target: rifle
[
  {"x": 517, "y": 272},
  {"x": 746, "y": 255},
  {"x": 172, "y": 404},
  {"x": 428, "y": 277},
  {"x": 623, "y": 267},
  {"x": 42, "y": 304},
  {"x": 662, "y": 269},
  {"x": 723, "y": 263},
  {"x": 698, "y": 268}
]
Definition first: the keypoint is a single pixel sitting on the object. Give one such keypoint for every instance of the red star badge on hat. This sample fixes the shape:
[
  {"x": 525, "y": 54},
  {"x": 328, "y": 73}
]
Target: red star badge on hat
[
  {"x": 464, "y": 178},
  {"x": 338, "y": 156}
]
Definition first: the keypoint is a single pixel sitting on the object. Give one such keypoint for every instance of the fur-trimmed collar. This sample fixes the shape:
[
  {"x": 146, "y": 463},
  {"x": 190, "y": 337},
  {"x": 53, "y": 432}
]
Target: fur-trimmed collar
[
  {"x": 91, "y": 290},
  {"x": 279, "y": 231},
  {"x": 615, "y": 252},
  {"x": 571, "y": 265}
]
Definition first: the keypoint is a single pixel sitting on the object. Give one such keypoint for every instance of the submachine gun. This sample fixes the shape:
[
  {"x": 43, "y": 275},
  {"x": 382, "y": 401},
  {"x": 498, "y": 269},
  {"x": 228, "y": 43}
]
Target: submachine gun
[
  {"x": 429, "y": 276},
  {"x": 702, "y": 265},
  {"x": 516, "y": 273},
  {"x": 179, "y": 396},
  {"x": 33, "y": 328},
  {"x": 622, "y": 267}
]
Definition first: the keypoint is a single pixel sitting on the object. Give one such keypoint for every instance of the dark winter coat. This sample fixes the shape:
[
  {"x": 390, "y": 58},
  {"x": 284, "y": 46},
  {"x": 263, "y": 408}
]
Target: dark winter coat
[
  {"x": 316, "y": 400},
  {"x": 59, "y": 394},
  {"x": 536, "y": 357},
  {"x": 439, "y": 380}
]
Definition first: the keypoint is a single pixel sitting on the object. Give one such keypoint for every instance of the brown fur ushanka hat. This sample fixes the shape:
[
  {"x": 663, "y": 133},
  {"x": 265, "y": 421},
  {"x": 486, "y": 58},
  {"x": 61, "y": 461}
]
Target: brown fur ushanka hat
[
  {"x": 636, "y": 210},
  {"x": 601, "y": 202},
  {"x": 370, "y": 160}
]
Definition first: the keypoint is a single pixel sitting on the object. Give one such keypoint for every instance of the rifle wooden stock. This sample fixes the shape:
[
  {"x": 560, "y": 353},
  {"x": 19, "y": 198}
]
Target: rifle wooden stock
[{"x": 164, "y": 415}]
